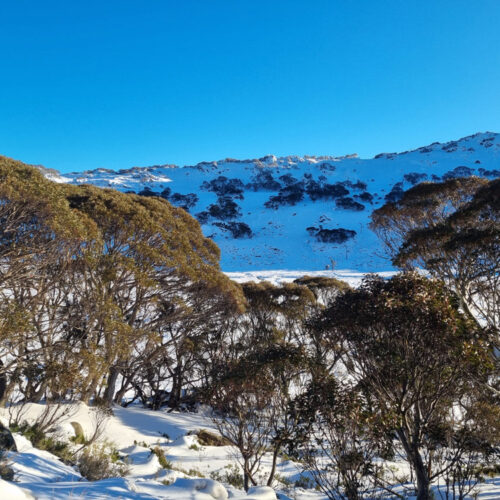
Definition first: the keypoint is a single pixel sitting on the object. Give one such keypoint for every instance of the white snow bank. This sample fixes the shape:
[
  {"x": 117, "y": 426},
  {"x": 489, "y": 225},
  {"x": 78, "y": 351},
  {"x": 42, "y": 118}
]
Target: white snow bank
[
  {"x": 261, "y": 493},
  {"x": 12, "y": 492},
  {"x": 280, "y": 276},
  {"x": 197, "y": 489}
]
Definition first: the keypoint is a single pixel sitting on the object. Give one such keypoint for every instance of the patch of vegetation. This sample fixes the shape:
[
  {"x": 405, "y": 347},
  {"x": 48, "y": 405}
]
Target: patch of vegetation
[
  {"x": 223, "y": 186},
  {"x": 305, "y": 482},
  {"x": 339, "y": 236},
  {"x": 489, "y": 173},
  {"x": 264, "y": 181},
  {"x": 348, "y": 203},
  {"x": 238, "y": 230},
  {"x": 162, "y": 459},
  {"x": 415, "y": 177},
  {"x": 207, "y": 438},
  {"x": 289, "y": 195},
  {"x": 224, "y": 209},
  {"x": 230, "y": 476},
  {"x": 457, "y": 172},
  {"x": 395, "y": 194},
  {"x": 101, "y": 461},
  {"x": 42, "y": 441}
]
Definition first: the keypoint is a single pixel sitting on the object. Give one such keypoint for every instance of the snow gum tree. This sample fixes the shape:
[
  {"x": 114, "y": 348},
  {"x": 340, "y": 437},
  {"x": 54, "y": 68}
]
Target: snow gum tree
[
  {"x": 256, "y": 376},
  {"x": 451, "y": 229},
  {"x": 147, "y": 252},
  {"x": 87, "y": 278},
  {"x": 39, "y": 238},
  {"x": 417, "y": 359}
]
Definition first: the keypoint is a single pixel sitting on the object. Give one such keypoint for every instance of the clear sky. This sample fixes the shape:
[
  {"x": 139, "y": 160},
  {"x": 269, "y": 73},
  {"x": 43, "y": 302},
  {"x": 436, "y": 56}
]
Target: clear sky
[{"x": 120, "y": 83}]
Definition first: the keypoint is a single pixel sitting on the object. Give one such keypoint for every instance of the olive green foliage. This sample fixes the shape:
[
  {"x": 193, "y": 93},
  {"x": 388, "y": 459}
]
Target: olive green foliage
[
  {"x": 230, "y": 475},
  {"x": 93, "y": 281},
  {"x": 41, "y": 440},
  {"x": 162, "y": 459},
  {"x": 452, "y": 229}
]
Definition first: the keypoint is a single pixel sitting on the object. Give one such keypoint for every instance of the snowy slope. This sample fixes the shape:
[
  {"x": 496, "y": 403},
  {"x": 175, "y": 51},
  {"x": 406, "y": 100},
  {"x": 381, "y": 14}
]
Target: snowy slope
[{"x": 337, "y": 192}]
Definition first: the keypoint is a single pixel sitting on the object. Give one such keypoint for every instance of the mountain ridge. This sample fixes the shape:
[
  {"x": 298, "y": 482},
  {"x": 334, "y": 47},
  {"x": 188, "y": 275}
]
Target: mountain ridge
[{"x": 298, "y": 212}]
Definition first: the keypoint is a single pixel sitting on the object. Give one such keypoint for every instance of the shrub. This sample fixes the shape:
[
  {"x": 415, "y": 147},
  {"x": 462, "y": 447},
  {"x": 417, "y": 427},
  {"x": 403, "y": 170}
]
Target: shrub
[
  {"x": 101, "y": 461},
  {"x": 415, "y": 177},
  {"x": 40, "y": 440},
  {"x": 340, "y": 235},
  {"x": 224, "y": 209},
  {"x": 162, "y": 459},
  {"x": 395, "y": 194},
  {"x": 366, "y": 196},
  {"x": 238, "y": 230},
  {"x": 264, "y": 181},
  {"x": 207, "y": 438},
  {"x": 317, "y": 191},
  {"x": 461, "y": 171},
  {"x": 347, "y": 203},
  {"x": 185, "y": 201},
  {"x": 223, "y": 186},
  {"x": 289, "y": 195},
  {"x": 230, "y": 476}
]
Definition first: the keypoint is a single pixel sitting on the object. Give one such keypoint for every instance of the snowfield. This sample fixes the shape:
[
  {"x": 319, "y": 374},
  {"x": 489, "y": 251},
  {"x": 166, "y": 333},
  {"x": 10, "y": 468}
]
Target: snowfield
[{"x": 292, "y": 204}]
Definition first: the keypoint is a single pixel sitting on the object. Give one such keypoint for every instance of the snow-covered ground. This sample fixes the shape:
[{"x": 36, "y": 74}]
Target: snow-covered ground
[
  {"x": 352, "y": 278},
  {"x": 134, "y": 431},
  {"x": 280, "y": 236}
]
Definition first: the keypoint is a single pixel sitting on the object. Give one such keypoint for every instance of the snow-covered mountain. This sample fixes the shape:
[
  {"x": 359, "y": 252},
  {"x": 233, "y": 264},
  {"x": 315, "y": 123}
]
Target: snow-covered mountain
[{"x": 298, "y": 212}]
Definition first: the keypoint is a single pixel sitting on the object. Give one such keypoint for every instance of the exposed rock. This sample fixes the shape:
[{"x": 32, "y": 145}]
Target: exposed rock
[{"x": 7, "y": 441}]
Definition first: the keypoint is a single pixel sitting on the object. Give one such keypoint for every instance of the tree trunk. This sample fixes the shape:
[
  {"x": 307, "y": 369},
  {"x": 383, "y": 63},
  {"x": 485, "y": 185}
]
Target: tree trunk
[
  {"x": 110, "y": 388},
  {"x": 90, "y": 390},
  {"x": 273, "y": 466},
  {"x": 415, "y": 459},
  {"x": 7, "y": 393},
  {"x": 423, "y": 483},
  {"x": 3, "y": 382},
  {"x": 175, "y": 394},
  {"x": 246, "y": 479},
  {"x": 120, "y": 395}
]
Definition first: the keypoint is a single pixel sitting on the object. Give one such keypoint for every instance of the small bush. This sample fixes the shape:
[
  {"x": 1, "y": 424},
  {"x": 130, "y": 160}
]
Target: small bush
[
  {"x": 305, "y": 482},
  {"x": 101, "y": 461},
  {"x": 162, "y": 459},
  {"x": 207, "y": 438},
  {"x": 348, "y": 203},
  {"x": 191, "y": 472},
  {"x": 40, "y": 440},
  {"x": 238, "y": 230},
  {"x": 230, "y": 476}
]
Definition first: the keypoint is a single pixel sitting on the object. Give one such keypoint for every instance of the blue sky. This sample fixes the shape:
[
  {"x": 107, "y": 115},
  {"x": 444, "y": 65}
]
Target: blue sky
[{"x": 121, "y": 83}]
